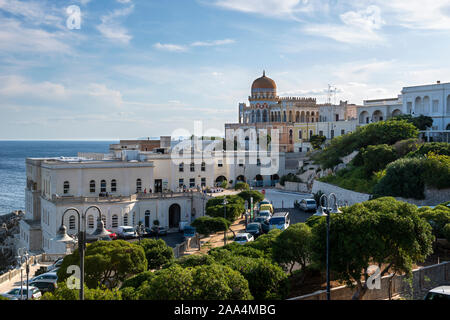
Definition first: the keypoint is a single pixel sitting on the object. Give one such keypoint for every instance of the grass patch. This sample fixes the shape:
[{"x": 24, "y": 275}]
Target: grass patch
[{"x": 352, "y": 178}]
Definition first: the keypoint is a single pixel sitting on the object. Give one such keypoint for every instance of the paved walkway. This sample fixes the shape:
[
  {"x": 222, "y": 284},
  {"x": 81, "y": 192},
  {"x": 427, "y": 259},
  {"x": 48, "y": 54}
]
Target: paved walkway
[{"x": 15, "y": 281}]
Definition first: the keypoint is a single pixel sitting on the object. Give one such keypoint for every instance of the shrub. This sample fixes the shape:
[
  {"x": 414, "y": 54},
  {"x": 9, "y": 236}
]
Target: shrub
[
  {"x": 440, "y": 148},
  {"x": 241, "y": 186},
  {"x": 437, "y": 217},
  {"x": 194, "y": 260},
  {"x": 289, "y": 177},
  {"x": 446, "y": 232},
  {"x": 224, "y": 184},
  {"x": 377, "y": 157},
  {"x": 403, "y": 147},
  {"x": 265, "y": 242},
  {"x": 208, "y": 225},
  {"x": 237, "y": 250},
  {"x": 233, "y": 212},
  {"x": 246, "y": 195},
  {"x": 64, "y": 293},
  {"x": 157, "y": 252}
]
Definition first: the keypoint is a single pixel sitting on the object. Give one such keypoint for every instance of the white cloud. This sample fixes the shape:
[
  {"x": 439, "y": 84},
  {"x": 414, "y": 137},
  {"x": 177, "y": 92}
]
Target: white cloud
[
  {"x": 112, "y": 29},
  {"x": 358, "y": 27},
  {"x": 212, "y": 43},
  {"x": 170, "y": 47},
  {"x": 32, "y": 11}
]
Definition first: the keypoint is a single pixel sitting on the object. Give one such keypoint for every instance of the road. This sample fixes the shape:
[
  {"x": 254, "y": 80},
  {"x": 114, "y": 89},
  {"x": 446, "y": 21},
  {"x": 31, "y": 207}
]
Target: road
[{"x": 284, "y": 199}]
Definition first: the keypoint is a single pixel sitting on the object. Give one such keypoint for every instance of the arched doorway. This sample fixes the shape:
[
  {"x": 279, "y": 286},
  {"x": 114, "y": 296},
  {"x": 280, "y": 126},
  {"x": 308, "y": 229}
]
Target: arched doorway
[
  {"x": 220, "y": 179},
  {"x": 377, "y": 116},
  {"x": 396, "y": 113},
  {"x": 364, "y": 117},
  {"x": 240, "y": 178},
  {"x": 259, "y": 180},
  {"x": 274, "y": 179},
  {"x": 174, "y": 215}
]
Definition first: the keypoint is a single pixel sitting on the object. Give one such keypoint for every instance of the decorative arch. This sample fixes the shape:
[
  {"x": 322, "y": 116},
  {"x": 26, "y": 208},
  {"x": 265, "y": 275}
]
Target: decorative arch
[
  {"x": 426, "y": 105},
  {"x": 396, "y": 112},
  {"x": 174, "y": 215},
  {"x": 364, "y": 117},
  {"x": 377, "y": 115},
  {"x": 418, "y": 106}
]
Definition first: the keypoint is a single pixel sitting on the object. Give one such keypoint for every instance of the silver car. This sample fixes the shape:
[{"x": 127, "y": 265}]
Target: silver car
[{"x": 308, "y": 205}]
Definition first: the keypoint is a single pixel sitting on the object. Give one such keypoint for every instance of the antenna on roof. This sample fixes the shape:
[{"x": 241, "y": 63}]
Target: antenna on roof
[{"x": 264, "y": 73}]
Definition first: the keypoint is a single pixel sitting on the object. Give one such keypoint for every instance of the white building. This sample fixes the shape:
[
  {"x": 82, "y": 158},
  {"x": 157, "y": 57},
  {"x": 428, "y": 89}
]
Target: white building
[
  {"x": 379, "y": 110},
  {"x": 430, "y": 100},
  {"x": 129, "y": 186}
]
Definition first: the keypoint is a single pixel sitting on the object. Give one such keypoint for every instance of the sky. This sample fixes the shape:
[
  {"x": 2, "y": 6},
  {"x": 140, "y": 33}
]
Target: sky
[{"x": 145, "y": 68}]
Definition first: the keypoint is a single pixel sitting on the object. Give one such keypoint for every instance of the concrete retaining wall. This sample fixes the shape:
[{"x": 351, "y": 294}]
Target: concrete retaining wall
[
  {"x": 423, "y": 279},
  {"x": 343, "y": 195},
  {"x": 433, "y": 197},
  {"x": 296, "y": 187}
]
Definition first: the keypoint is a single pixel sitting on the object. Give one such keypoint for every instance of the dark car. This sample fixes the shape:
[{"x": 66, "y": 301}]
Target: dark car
[
  {"x": 156, "y": 231},
  {"x": 264, "y": 223},
  {"x": 255, "y": 229},
  {"x": 44, "y": 286}
]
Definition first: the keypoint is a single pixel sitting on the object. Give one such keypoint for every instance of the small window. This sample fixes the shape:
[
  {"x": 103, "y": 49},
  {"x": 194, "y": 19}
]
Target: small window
[
  {"x": 203, "y": 182},
  {"x": 203, "y": 166},
  {"x": 115, "y": 221},
  {"x": 192, "y": 167},
  {"x": 113, "y": 185},
  {"x": 181, "y": 183},
  {"x": 192, "y": 183},
  {"x": 181, "y": 167},
  {"x": 342, "y": 132},
  {"x": 220, "y": 164},
  {"x": 66, "y": 187},
  {"x": 138, "y": 185},
  {"x": 92, "y": 186},
  {"x": 72, "y": 223},
  {"x": 103, "y": 186},
  {"x": 125, "y": 219},
  {"x": 258, "y": 162},
  {"x": 300, "y": 134},
  {"x": 91, "y": 222}
]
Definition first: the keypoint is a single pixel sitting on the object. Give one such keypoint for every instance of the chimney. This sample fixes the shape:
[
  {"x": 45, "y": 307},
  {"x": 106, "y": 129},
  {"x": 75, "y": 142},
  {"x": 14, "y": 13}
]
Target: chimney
[{"x": 439, "y": 82}]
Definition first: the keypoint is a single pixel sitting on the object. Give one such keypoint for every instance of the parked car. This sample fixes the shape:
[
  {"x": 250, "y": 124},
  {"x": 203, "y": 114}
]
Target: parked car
[
  {"x": 439, "y": 293},
  {"x": 126, "y": 232},
  {"x": 45, "y": 285},
  {"x": 266, "y": 207},
  {"x": 156, "y": 231},
  {"x": 49, "y": 276},
  {"x": 8, "y": 296},
  {"x": 308, "y": 205},
  {"x": 265, "y": 201},
  {"x": 280, "y": 220},
  {"x": 264, "y": 221},
  {"x": 112, "y": 234},
  {"x": 55, "y": 265},
  {"x": 33, "y": 292},
  {"x": 243, "y": 238},
  {"x": 255, "y": 229},
  {"x": 265, "y": 213}
]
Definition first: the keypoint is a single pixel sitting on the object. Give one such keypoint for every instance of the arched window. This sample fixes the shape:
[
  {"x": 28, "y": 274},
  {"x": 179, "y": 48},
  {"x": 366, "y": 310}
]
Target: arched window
[
  {"x": 72, "y": 223},
  {"x": 113, "y": 185},
  {"x": 418, "y": 106},
  {"x": 91, "y": 221},
  {"x": 103, "y": 186},
  {"x": 115, "y": 221},
  {"x": 426, "y": 105},
  {"x": 66, "y": 187},
  {"x": 138, "y": 185},
  {"x": 92, "y": 186},
  {"x": 125, "y": 219}
]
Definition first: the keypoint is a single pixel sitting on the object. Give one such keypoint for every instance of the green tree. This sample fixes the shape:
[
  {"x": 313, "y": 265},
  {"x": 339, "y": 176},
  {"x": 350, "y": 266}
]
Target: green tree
[
  {"x": 246, "y": 195},
  {"x": 440, "y": 148},
  {"x": 194, "y": 260},
  {"x": 241, "y": 186},
  {"x": 438, "y": 217},
  {"x": 208, "y": 225},
  {"x": 377, "y": 157},
  {"x": 293, "y": 246},
  {"x": 265, "y": 242},
  {"x": 107, "y": 263},
  {"x": 157, "y": 252},
  {"x": 100, "y": 293},
  {"x": 382, "y": 232},
  {"x": 137, "y": 280},
  {"x": 421, "y": 122},
  {"x": 317, "y": 141},
  {"x": 446, "y": 231}
]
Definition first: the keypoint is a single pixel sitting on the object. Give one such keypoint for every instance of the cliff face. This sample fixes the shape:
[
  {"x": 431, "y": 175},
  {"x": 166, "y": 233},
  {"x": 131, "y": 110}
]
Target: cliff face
[{"x": 9, "y": 226}]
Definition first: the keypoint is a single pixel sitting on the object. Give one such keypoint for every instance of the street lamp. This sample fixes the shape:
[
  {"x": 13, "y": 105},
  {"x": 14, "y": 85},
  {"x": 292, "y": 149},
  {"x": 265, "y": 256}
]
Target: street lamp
[
  {"x": 21, "y": 254},
  {"x": 63, "y": 237},
  {"x": 225, "y": 216},
  {"x": 140, "y": 230},
  {"x": 325, "y": 211}
]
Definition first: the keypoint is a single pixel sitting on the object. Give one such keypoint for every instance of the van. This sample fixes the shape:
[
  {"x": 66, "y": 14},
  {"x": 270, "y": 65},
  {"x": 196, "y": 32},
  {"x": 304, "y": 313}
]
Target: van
[
  {"x": 266, "y": 207},
  {"x": 279, "y": 220}
]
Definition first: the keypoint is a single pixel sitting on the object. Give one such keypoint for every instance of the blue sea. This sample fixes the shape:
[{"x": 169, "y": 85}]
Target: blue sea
[{"x": 12, "y": 164}]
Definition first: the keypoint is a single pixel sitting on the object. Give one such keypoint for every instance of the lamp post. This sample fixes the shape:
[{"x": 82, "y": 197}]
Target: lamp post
[
  {"x": 63, "y": 237},
  {"x": 23, "y": 253},
  {"x": 325, "y": 211},
  {"x": 140, "y": 230},
  {"x": 225, "y": 216}
]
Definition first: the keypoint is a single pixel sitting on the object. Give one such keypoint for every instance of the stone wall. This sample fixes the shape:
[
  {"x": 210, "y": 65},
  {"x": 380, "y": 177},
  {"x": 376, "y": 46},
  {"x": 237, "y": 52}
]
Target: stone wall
[
  {"x": 433, "y": 197},
  {"x": 296, "y": 187},
  {"x": 343, "y": 195},
  {"x": 423, "y": 279}
]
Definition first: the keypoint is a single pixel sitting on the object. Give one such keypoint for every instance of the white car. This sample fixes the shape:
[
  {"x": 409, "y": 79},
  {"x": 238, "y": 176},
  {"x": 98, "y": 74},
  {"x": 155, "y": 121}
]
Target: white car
[
  {"x": 46, "y": 277},
  {"x": 55, "y": 265},
  {"x": 126, "y": 232},
  {"x": 308, "y": 205},
  {"x": 33, "y": 293},
  {"x": 243, "y": 238},
  {"x": 439, "y": 293}
]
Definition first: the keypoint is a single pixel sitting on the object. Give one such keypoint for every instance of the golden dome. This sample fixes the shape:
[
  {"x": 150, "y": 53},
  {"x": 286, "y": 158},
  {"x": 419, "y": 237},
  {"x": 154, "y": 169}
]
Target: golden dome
[{"x": 264, "y": 83}]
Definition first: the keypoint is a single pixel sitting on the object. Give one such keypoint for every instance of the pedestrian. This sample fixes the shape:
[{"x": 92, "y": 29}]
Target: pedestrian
[{"x": 145, "y": 190}]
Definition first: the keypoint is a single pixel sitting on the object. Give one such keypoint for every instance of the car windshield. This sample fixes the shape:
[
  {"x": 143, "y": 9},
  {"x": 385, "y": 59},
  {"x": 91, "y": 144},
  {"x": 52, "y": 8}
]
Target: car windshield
[
  {"x": 277, "y": 220},
  {"x": 264, "y": 213},
  {"x": 260, "y": 219},
  {"x": 128, "y": 230},
  {"x": 437, "y": 296},
  {"x": 252, "y": 227},
  {"x": 242, "y": 238},
  {"x": 310, "y": 202}
]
